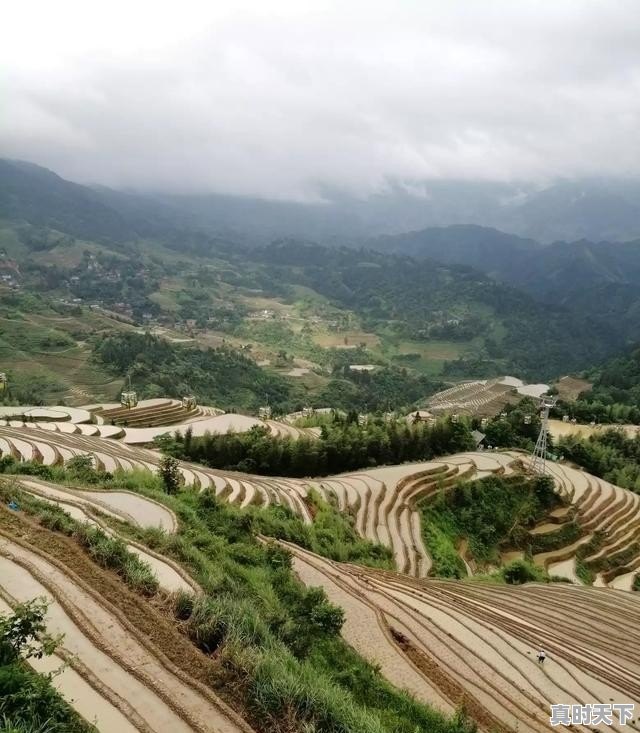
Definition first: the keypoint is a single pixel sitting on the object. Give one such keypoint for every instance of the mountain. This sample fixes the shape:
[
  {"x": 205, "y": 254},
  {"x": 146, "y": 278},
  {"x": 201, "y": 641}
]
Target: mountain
[
  {"x": 593, "y": 279},
  {"x": 597, "y": 210},
  {"x": 484, "y": 248},
  {"x": 462, "y": 301},
  {"x": 38, "y": 196}
]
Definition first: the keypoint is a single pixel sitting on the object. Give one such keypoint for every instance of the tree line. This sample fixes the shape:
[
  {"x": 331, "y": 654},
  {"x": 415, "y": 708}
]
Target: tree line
[{"x": 343, "y": 445}]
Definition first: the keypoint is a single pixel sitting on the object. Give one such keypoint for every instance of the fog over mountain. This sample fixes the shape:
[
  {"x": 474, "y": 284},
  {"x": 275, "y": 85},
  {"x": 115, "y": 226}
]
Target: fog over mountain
[{"x": 358, "y": 103}]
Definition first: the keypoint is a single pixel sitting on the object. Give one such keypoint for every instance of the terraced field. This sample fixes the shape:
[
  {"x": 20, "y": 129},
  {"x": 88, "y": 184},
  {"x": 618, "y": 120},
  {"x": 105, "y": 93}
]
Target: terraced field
[
  {"x": 459, "y": 642},
  {"x": 382, "y": 501},
  {"x": 482, "y": 398},
  {"x": 446, "y": 642},
  {"x": 116, "y": 674},
  {"x": 141, "y": 424}
]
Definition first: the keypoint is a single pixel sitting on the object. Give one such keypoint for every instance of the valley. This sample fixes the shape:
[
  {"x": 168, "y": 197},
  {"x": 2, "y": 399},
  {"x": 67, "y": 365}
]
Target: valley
[
  {"x": 294, "y": 481},
  {"x": 320, "y": 367}
]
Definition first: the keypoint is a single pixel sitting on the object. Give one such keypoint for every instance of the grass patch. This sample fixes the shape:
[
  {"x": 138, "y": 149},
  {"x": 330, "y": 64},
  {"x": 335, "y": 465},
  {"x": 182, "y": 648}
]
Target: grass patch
[{"x": 491, "y": 514}]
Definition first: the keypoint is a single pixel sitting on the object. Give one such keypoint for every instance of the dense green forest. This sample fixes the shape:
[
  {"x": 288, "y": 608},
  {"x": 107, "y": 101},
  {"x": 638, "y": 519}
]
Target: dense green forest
[
  {"x": 343, "y": 445},
  {"x": 222, "y": 377},
  {"x": 610, "y": 454},
  {"x": 425, "y": 299},
  {"x": 228, "y": 379}
]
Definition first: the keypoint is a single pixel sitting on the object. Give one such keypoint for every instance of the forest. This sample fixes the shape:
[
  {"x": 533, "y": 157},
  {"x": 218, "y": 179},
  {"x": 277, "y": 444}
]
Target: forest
[
  {"x": 615, "y": 395},
  {"x": 344, "y": 445}
]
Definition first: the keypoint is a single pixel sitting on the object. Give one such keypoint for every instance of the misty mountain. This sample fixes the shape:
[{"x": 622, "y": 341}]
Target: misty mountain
[
  {"x": 484, "y": 248},
  {"x": 597, "y": 279},
  {"x": 38, "y": 196},
  {"x": 567, "y": 210}
]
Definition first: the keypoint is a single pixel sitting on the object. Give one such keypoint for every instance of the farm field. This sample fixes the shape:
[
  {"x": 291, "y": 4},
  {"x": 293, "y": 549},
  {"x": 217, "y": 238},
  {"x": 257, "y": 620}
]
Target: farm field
[
  {"x": 558, "y": 429},
  {"x": 384, "y": 502},
  {"x": 451, "y": 642},
  {"x": 444, "y": 642}
]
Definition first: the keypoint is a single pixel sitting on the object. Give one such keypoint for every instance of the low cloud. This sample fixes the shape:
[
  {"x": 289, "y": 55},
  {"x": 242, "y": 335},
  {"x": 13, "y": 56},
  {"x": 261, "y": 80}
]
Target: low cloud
[{"x": 282, "y": 99}]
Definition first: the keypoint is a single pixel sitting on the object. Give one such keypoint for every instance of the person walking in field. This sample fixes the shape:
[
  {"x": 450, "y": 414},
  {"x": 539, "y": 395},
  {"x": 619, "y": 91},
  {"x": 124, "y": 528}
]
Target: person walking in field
[{"x": 541, "y": 656}]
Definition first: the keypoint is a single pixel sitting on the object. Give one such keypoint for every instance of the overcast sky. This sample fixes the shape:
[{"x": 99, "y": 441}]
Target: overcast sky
[{"x": 273, "y": 97}]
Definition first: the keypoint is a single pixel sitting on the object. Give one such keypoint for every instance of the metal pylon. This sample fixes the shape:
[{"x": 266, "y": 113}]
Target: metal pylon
[{"x": 539, "y": 456}]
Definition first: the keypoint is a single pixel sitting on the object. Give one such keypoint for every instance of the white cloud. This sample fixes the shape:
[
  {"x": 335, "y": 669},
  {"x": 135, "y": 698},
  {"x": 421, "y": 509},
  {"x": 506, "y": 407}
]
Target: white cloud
[{"x": 274, "y": 98}]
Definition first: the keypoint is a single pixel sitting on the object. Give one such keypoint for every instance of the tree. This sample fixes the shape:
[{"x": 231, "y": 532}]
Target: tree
[
  {"x": 170, "y": 474},
  {"x": 23, "y": 634},
  {"x": 81, "y": 467}
]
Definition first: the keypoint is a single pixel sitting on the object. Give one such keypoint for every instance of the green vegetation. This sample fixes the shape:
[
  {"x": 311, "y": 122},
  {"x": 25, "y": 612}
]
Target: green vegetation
[
  {"x": 343, "y": 445},
  {"x": 83, "y": 275},
  {"x": 519, "y": 428},
  {"x": 277, "y": 642},
  {"x": 108, "y": 552},
  {"x": 28, "y": 701},
  {"x": 615, "y": 395},
  {"x": 609, "y": 454},
  {"x": 491, "y": 515},
  {"x": 332, "y": 533},
  {"x": 221, "y": 376},
  {"x": 169, "y": 472},
  {"x": 424, "y": 300}
]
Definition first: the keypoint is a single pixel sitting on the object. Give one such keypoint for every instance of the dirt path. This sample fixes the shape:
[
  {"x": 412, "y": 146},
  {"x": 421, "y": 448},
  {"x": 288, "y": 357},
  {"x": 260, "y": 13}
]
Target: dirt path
[{"x": 150, "y": 696}]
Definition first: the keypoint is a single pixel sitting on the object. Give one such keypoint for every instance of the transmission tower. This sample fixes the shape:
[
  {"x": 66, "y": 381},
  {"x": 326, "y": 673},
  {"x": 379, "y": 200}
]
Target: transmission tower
[{"x": 539, "y": 455}]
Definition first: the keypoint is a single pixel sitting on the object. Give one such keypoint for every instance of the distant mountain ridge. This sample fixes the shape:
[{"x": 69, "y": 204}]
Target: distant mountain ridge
[
  {"x": 594, "y": 279},
  {"x": 484, "y": 248},
  {"x": 565, "y": 210},
  {"x": 601, "y": 279}
]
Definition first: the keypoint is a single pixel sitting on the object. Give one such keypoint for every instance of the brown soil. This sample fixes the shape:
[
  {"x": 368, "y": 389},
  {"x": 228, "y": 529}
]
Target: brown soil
[
  {"x": 153, "y": 622},
  {"x": 449, "y": 686}
]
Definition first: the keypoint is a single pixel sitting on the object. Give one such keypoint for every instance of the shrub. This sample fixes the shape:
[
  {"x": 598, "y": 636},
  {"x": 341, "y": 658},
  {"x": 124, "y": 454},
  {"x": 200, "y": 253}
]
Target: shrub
[
  {"x": 28, "y": 702},
  {"x": 518, "y": 572},
  {"x": 169, "y": 472}
]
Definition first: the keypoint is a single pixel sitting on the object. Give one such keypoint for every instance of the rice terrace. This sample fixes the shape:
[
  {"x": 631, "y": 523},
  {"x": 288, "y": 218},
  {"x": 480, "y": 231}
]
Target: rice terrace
[
  {"x": 135, "y": 657},
  {"x": 320, "y": 367}
]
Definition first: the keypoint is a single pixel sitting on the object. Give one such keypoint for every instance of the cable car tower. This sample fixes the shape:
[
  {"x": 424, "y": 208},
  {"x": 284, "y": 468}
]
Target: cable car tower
[{"x": 539, "y": 456}]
